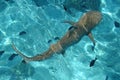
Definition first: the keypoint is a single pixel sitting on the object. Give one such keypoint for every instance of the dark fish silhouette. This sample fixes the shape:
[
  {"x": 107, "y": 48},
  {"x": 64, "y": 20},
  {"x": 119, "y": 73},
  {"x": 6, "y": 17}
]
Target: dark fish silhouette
[
  {"x": 10, "y": 1},
  {"x": 49, "y": 41},
  {"x": 23, "y": 61},
  {"x": 1, "y": 52},
  {"x": 84, "y": 6},
  {"x": 106, "y": 78},
  {"x": 92, "y": 62},
  {"x": 67, "y": 10},
  {"x": 12, "y": 56},
  {"x": 56, "y": 38},
  {"x": 117, "y": 24},
  {"x": 22, "y": 33},
  {"x": 64, "y": 7}
]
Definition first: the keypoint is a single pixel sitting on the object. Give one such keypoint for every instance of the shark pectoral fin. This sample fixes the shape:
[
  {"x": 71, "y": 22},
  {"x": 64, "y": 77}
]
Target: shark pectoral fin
[
  {"x": 23, "y": 61},
  {"x": 57, "y": 38},
  {"x": 92, "y": 39},
  {"x": 69, "y": 22}
]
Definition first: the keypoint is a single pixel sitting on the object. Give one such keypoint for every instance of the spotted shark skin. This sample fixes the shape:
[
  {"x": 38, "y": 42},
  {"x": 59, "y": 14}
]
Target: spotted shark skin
[{"x": 83, "y": 27}]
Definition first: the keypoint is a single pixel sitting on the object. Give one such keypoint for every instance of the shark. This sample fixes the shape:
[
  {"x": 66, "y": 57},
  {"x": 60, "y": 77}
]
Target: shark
[{"x": 82, "y": 27}]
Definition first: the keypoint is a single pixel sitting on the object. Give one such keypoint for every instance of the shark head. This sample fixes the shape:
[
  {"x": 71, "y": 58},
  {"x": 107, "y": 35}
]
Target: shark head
[{"x": 90, "y": 19}]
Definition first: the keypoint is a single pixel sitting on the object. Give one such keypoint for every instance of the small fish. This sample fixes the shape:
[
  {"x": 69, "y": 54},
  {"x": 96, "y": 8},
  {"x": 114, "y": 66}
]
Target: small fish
[
  {"x": 117, "y": 24},
  {"x": 6, "y": 0},
  {"x": 12, "y": 56},
  {"x": 1, "y": 52},
  {"x": 64, "y": 7},
  {"x": 106, "y": 78},
  {"x": 23, "y": 61},
  {"x": 92, "y": 62},
  {"x": 49, "y": 41},
  {"x": 22, "y": 33},
  {"x": 56, "y": 38},
  {"x": 84, "y": 6}
]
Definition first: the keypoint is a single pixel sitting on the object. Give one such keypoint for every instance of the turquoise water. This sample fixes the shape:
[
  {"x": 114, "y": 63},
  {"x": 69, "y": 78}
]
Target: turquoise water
[{"x": 41, "y": 20}]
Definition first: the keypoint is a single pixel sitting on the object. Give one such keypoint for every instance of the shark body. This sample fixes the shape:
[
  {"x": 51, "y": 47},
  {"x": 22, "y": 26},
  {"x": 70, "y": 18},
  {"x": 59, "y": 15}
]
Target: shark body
[{"x": 81, "y": 28}]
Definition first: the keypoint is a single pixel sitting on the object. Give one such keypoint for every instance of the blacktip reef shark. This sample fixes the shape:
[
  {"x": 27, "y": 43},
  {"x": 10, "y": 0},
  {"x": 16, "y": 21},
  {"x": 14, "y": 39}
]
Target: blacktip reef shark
[{"x": 79, "y": 29}]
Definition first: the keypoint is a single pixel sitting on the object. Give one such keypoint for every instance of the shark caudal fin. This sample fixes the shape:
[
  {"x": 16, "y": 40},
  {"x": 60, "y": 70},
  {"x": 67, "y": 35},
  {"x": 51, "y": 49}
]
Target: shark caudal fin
[
  {"x": 38, "y": 57},
  {"x": 25, "y": 58}
]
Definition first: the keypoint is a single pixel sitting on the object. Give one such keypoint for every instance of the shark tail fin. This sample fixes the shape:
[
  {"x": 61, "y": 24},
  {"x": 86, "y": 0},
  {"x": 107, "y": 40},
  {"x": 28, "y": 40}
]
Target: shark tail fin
[
  {"x": 38, "y": 57},
  {"x": 26, "y": 59}
]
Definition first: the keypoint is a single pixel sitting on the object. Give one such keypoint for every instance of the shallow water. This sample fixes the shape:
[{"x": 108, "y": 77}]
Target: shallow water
[{"x": 42, "y": 22}]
